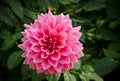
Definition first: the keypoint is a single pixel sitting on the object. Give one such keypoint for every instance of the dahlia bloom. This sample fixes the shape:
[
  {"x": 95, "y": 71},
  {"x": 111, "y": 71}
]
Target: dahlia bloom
[{"x": 51, "y": 44}]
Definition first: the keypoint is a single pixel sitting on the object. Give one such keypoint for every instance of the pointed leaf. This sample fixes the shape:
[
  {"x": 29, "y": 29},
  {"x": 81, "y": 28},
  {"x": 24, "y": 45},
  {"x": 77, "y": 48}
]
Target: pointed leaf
[
  {"x": 52, "y": 77},
  {"x": 105, "y": 65},
  {"x": 69, "y": 77},
  {"x": 16, "y": 7},
  {"x": 38, "y": 77},
  {"x": 26, "y": 72},
  {"x": 14, "y": 59},
  {"x": 94, "y": 5}
]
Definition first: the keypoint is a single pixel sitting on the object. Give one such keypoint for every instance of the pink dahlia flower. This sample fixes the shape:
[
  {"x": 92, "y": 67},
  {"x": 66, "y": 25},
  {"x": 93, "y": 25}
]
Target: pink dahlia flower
[{"x": 51, "y": 44}]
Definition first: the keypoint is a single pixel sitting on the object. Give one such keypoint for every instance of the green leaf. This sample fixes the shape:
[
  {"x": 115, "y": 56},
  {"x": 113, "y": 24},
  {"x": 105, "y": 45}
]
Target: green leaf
[
  {"x": 77, "y": 65},
  {"x": 26, "y": 72},
  {"x": 114, "y": 24},
  {"x": 100, "y": 23},
  {"x": 83, "y": 78},
  {"x": 105, "y": 66},
  {"x": 83, "y": 37},
  {"x": 82, "y": 21},
  {"x": 38, "y": 76},
  {"x": 112, "y": 50},
  {"x": 87, "y": 68},
  {"x": 113, "y": 10},
  {"x": 7, "y": 44},
  {"x": 111, "y": 54},
  {"x": 4, "y": 15},
  {"x": 10, "y": 41},
  {"x": 44, "y": 4},
  {"x": 52, "y": 77},
  {"x": 16, "y": 7},
  {"x": 94, "y": 5},
  {"x": 55, "y": 5},
  {"x": 29, "y": 14},
  {"x": 69, "y": 77},
  {"x": 5, "y": 34},
  {"x": 114, "y": 46},
  {"x": 17, "y": 36},
  {"x": 65, "y": 2},
  {"x": 106, "y": 34},
  {"x": 93, "y": 76},
  {"x": 14, "y": 59}
]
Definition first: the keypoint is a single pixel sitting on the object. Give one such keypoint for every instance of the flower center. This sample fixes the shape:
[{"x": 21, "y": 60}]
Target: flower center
[{"x": 51, "y": 43}]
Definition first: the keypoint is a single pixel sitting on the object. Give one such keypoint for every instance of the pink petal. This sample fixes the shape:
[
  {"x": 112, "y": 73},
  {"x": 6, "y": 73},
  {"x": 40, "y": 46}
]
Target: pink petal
[
  {"x": 51, "y": 70},
  {"x": 44, "y": 48},
  {"x": 45, "y": 65},
  {"x": 61, "y": 36},
  {"x": 37, "y": 59},
  {"x": 66, "y": 51},
  {"x": 27, "y": 26},
  {"x": 45, "y": 29},
  {"x": 64, "y": 60},
  {"x": 62, "y": 26},
  {"x": 32, "y": 39},
  {"x": 42, "y": 42},
  {"x": 59, "y": 19},
  {"x": 55, "y": 56},
  {"x": 30, "y": 54},
  {"x": 24, "y": 54},
  {"x": 51, "y": 22},
  {"x": 44, "y": 55},
  {"x": 21, "y": 46},
  {"x": 36, "y": 47},
  {"x": 33, "y": 66},
  {"x": 61, "y": 44},
  {"x": 59, "y": 68},
  {"x": 39, "y": 67},
  {"x": 53, "y": 62},
  {"x": 50, "y": 51}
]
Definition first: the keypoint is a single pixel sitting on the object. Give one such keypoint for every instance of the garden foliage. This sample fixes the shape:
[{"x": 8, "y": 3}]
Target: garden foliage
[{"x": 99, "y": 20}]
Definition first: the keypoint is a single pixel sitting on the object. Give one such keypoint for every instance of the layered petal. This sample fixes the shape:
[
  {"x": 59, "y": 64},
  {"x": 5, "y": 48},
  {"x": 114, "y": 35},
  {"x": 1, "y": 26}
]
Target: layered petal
[{"x": 51, "y": 44}]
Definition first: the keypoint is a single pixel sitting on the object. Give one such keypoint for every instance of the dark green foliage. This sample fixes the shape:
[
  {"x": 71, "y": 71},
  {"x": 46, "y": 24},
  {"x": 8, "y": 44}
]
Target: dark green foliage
[{"x": 99, "y": 20}]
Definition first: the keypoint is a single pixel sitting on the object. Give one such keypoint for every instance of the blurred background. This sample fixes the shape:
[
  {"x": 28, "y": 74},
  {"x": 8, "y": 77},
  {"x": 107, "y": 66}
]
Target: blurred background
[{"x": 100, "y": 25}]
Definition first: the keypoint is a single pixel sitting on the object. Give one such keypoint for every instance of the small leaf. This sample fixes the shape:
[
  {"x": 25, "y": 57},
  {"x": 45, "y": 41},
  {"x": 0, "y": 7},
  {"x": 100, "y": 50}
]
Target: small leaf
[
  {"x": 83, "y": 78},
  {"x": 29, "y": 14},
  {"x": 7, "y": 44},
  {"x": 38, "y": 77},
  {"x": 44, "y": 4},
  {"x": 69, "y": 77},
  {"x": 112, "y": 50},
  {"x": 77, "y": 65},
  {"x": 105, "y": 66},
  {"x": 87, "y": 68},
  {"x": 26, "y": 72},
  {"x": 14, "y": 59},
  {"x": 93, "y": 76},
  {"x": 16, "y": 7},
  {"x": 17, "y": 36},
  {"x": 114, "y": 46},
  {"x": 114, "y": 24},
  {"x": 55, "y": 5},
  {"x": 52, "y": 77},
  {"x": 113, "y": 10},
  {"x": 65, "y": 2},
  {"x": 5, "y": 34},
  {"x": 10, "y": 41},
  {"x": 4, "y": 17},
  {"x": 94, "y": 5},
  {"x": 106, "y": 34}
]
